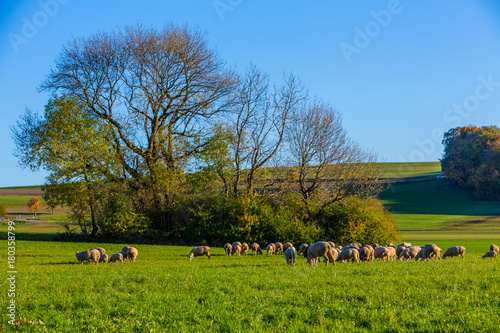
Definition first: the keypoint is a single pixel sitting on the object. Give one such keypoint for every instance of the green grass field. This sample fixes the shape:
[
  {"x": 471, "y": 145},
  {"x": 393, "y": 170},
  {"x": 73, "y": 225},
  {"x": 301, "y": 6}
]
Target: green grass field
[{"x": 164, "y": 291}]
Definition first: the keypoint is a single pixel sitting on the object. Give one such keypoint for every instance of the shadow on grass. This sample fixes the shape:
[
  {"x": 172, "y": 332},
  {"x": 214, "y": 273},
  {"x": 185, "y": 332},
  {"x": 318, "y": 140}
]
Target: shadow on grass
[{"x": 436, "y": 197}]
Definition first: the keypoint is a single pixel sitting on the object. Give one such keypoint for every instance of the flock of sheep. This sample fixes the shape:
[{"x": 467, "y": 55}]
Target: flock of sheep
[
  {"x": 327, "y": 250},
  {"x": 98, "y": 255},
  {"x": 354, "y": 252}
]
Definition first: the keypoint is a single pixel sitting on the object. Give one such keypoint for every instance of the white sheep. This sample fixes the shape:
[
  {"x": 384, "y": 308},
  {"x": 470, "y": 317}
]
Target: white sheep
[
  {"x": 494, "y": 247},
  {"x": 381, "y": 253},
  {"x": 228, "y": 248},
  {"x": 244, "y": 248},
  {"x": 400, "y": 249},
  {"x": 132, "y": 253},
  {"x": 256, "y": 248},
  {"x": 391, "y": 253},
  {"x": 236, "y": 243},
  {"x": 90, "y": 255},
  {"x": 432, "y": 251},
  {"x": 301, "y": 249},
  {"x": 199, "y": 251},
  {"x": 490, "y": 254},
  {"x": 286, "y": 246},
  {"x": 236, "y": 251},
  {"x": 278, "y": 247},
  {"x": 125, "y": 248},
  {"x": 420, "y": 255},
  {"x": 103, "y": 258},
  {"x": 290, "y": 256},
  {"x": 366, "y": 253},
  {"x": 116, "y": 257},
  {"x": 454, "y": 251},
  {"x": 409, "y": 253},
  {"x": 270, "y": 249},
  {"x": 349, "y": 254},
  {"x": 100, "y": 249},
  {"x": 316, "y": 250}
]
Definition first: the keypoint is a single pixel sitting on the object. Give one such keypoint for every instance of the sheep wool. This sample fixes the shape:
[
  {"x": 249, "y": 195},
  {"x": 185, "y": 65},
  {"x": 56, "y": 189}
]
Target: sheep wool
[
  {"x": 228, "y": 248},
  {"x": 290, "y": 256},
  {"x": 490, "y": 254},
  {"x": 90, "y": 255},
  {"x": 103, "y": 258},
  {"x": 199, "y": 251},
  {"x": 117, "y": 257},
  {"x": 132, "y": 253},
  {"x": 454, "y": 251}
]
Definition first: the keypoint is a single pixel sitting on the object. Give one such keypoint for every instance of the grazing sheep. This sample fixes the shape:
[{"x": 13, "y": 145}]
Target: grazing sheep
[
  {"x": 490, "y": 254},
  {"x": 100, "y": 249},
  {"x": 270, "y": 249},
  {"x": 286, "y": 246},
  {"x": 366, "y": 253},
  {"x": 332, "y": 244},
  {"x": 380, "y": 253},
  {"x": 244, "y": 248},
  {"x": 391, "y": 245},
  {"x": 349, "y": 254},
  {"x": 420, "y": 254},
  {"x": 256, "y": 248},
  {"x": 431, "y": 251},
  {"x": 228, "y": 248},
  {"x": 236, "y": 250},
  {"x": 199, "y": 251},
  {"x": 116, "y": 257},
  {"x": 494, "y": 247},
  {"x": 405, "y": 244},
  {"x": 103, "y": 258},
  {"x": 400, "y": 249},
  {"x": 391, "y": 253},
  {"x": 290, "y": 256},
  {"x": 454, "y": 251},
  {"x": 409, "y": 253},
  {"x": 235, "y": 244},
  {"x": 90, "y": 255},
  {"x": 125, "y": 248},
  {"x": 374, "y": 245},
  {"x": 353, "y": 245},
  {"x": 278, "y": 247},
  {"x": 124, "y": 254},
  {"x": 132, "y": 254},
  {"x": 316, "y": 250},
  {"x": 302, "y": 248}
]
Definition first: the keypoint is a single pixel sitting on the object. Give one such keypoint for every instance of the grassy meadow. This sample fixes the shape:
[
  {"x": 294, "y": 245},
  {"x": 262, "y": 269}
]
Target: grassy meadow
[{"x": 165, "y": 291}]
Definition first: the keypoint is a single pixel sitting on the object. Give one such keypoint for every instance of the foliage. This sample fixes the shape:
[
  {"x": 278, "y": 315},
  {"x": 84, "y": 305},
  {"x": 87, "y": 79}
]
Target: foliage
[
  {"x": 358, "y": 220},
  {"x": 218, "y": 219},
  {"x": 118, "y": 219},
  {"x": 3, "y": 210},
  {"x": 34, "y": 205},
  {"x": 472, "y": 159}
]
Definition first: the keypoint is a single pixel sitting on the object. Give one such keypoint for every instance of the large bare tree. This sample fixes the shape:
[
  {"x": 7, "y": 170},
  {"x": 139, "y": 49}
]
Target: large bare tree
[
  {"x": 261, "y": 116},
  {"x": 328, "y": 166},
  {"x": 157, "y": 89}
]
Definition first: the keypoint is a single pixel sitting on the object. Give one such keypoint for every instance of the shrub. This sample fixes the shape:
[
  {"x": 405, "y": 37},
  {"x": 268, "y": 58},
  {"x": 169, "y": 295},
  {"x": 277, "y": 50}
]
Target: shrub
[
  {"x": 358, "y": 220},
  {"x": 218, "y": 219}
]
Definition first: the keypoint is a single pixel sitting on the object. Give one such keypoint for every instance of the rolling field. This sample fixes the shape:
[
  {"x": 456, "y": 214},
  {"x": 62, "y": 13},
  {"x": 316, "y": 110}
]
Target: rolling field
[{"x": 164, "y": 291}]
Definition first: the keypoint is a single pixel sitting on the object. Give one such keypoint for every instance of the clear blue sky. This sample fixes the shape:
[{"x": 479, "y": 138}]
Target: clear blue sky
[{"x": 400, "y": 72}]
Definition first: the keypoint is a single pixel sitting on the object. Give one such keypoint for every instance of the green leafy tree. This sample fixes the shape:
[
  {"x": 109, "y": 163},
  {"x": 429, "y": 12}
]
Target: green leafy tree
[{"x": 73, "y": 145}]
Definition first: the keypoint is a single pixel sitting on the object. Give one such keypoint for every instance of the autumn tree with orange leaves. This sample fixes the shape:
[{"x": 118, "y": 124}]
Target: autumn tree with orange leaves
[
  {"x": 472, "y": 159},
  {"x": 34, "y": 205}
]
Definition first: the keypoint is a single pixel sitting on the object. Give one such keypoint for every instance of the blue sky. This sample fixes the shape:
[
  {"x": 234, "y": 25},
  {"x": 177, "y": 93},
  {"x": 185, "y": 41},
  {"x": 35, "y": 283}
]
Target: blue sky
[{"x": 401, "y": 72}]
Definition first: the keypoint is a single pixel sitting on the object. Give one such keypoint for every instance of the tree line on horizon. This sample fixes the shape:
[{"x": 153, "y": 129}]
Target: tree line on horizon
[{"x": 148, "y": 133}]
